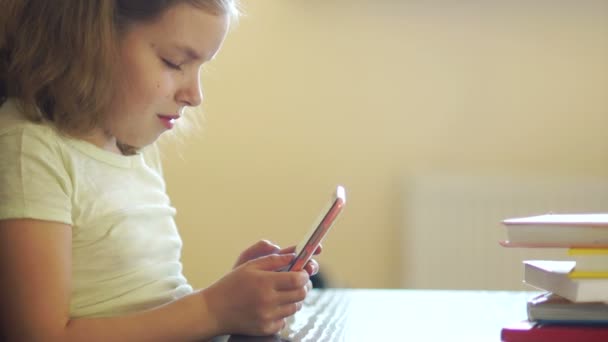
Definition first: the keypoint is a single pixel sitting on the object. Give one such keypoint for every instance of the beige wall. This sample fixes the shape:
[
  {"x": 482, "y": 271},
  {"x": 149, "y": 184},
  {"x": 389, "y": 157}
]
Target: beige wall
[{"x": 308, "y": 94}]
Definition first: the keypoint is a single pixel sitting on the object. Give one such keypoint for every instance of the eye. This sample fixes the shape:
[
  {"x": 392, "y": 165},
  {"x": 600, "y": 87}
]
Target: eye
[{"x": 171, "y": 65}]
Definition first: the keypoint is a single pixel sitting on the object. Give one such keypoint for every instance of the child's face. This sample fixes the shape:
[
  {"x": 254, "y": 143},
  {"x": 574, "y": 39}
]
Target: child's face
[{"x": 160, "y": 73}]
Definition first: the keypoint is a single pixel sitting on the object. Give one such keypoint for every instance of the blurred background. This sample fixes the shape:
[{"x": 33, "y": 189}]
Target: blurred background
[{"x": 439, "y": 117}]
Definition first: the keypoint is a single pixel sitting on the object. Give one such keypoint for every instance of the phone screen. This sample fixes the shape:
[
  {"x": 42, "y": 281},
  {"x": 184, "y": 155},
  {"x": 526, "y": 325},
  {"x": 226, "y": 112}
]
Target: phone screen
[{"x": 306, "y": 248}]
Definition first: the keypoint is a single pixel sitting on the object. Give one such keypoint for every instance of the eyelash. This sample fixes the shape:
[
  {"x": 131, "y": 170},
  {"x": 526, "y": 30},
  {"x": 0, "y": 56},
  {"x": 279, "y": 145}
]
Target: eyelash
[{"x": 171, "y": 65}]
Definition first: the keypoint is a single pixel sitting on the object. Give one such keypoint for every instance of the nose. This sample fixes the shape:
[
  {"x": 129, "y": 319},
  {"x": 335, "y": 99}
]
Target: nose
[{"x": 191, "y": 92}]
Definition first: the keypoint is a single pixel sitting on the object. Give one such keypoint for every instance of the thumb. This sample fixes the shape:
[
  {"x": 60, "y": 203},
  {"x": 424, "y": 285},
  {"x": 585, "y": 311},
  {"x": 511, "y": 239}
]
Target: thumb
[
  {"x": 273, "y": 262},
  {"x": 261, "y": 248}
]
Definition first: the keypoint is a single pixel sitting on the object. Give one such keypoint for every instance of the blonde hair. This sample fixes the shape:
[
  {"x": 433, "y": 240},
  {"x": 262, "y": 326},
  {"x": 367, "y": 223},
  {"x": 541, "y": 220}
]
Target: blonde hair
[{"x": 57, "y": 57}]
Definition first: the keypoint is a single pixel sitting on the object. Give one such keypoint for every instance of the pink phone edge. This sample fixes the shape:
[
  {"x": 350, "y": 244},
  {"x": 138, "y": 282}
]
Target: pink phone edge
[{"x": 307, "y": 251}]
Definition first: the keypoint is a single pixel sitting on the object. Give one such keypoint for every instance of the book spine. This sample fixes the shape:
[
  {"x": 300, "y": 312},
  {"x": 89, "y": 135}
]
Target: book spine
[
  {"x": 588, "y": 251},
  {"x": 587, "y": 275}
]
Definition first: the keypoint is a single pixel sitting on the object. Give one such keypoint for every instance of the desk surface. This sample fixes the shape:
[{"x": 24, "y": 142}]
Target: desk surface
[{"x": 400, "y": 315}]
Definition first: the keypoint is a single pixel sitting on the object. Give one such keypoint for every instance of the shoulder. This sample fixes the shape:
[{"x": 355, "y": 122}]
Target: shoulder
[
  {"x": 18, "y": 132},
  {"x": 28, "y": 148},
  {"x": 34, "y": 179}
]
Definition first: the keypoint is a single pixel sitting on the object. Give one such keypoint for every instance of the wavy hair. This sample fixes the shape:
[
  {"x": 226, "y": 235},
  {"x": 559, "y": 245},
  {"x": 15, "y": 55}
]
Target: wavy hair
[{"x": 57, "y": 57}]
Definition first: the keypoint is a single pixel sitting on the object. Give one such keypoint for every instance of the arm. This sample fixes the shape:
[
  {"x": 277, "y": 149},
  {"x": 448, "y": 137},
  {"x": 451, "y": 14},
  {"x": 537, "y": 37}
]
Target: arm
[{"x": 35, "y": 273}]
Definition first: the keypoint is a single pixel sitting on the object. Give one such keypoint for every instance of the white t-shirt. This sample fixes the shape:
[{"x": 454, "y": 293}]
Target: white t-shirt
[{"x": 125, "y": 245}]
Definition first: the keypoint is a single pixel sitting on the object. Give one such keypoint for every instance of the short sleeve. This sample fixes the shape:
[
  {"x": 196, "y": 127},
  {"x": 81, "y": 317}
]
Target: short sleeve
[{"x": 34, "y": 182}]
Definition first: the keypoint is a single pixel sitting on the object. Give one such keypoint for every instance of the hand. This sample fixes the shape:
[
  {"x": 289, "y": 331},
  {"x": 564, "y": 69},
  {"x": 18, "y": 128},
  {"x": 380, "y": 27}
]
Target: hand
[
  {"x": 254, "y": 299},
  {"x": 259, "y": 249},
  {"x": 265, "y": 247},
  {"x": 312, "y": 266}
]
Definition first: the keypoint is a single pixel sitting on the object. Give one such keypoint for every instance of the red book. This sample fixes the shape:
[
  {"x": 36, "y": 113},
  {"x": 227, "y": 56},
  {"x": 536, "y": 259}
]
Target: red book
[{"x": 527, "y": 331}]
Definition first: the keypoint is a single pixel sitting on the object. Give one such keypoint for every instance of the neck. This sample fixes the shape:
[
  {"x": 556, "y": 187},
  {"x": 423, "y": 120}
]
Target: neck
[{"x": 102, "y": 140}]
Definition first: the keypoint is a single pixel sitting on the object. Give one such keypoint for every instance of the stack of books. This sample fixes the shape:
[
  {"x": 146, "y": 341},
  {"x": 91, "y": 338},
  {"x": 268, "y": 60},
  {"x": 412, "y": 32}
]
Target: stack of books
[{"x": 573, "y": 305}]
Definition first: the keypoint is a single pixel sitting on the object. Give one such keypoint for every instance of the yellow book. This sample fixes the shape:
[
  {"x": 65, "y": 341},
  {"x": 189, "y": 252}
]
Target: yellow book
[
  {"x": 590, "y": 262},
  {"x": 574, "y": 274},
  {"x": 588, "y": 251}
]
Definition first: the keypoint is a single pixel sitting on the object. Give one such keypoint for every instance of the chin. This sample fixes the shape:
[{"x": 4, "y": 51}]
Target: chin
[{"x": 137, "y": 144}]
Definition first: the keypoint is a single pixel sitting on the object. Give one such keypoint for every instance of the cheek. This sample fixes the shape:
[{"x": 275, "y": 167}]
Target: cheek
[
  {"x": 134, "y": 87},
  {"x": 164, "y": 85},
  {"x": 145, "y": 84},
  {"x": 149, "y": 90}
]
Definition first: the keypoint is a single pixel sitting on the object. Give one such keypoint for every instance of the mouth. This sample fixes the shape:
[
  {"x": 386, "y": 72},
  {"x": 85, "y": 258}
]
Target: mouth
[{"x": 168, "y": 120}]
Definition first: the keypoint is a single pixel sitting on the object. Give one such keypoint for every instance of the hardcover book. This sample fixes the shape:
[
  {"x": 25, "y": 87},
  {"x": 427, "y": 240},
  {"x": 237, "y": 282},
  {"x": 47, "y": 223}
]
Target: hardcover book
[
  {"x": 550, "y": 308},
  {"x": 557, "y": 230},
  {"x": 553, "y": 276},
  {"x": 527, "y": 331}
]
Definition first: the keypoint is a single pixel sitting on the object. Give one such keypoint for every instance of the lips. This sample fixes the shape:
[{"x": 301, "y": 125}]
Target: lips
[{"x": 168, "y": 120}]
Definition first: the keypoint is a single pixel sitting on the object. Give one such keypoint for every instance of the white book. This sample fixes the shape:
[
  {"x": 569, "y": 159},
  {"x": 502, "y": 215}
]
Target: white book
[
  {"x": 553, "y": 276},
  {"x": 557, "y": 230}
]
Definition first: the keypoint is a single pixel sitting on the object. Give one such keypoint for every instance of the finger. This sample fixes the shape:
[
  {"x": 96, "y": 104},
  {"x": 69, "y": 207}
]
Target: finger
[
  {"x": 292, "y": 296},
  {"x": 292, "y": 249},
  {"x": 287, "y": 310},
  {"x": 274, "y": 327},
  {"x": 287, "y": 250},
  {"x": 273, "y": 262},
  {"x": 308, "y": 286},
  {"x": 318, "y": 250},
  {"x": 260, "y": 248},
  {"x": 312, "y": 267},
  {"x": 286, "y": 281}
]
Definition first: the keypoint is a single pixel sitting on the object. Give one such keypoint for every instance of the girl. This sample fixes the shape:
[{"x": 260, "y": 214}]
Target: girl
[{"x": 88, "y": 245}]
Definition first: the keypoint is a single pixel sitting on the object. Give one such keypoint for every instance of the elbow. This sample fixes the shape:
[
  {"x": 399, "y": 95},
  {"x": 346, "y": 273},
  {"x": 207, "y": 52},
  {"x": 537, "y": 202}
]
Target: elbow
[{"x": 31, "y": 333}]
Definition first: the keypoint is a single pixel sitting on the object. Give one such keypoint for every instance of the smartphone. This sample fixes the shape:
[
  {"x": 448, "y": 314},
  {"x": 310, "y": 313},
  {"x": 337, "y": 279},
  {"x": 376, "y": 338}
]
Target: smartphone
[{"x": 306, "y": 248}]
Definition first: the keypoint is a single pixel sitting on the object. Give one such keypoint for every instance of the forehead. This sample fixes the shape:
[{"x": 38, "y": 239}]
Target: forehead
[{"x": 187, "y": 26}]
